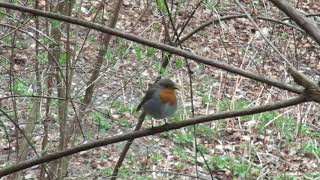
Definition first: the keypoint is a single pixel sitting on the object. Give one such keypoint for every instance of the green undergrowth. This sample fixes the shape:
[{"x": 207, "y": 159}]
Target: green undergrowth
[{"x": 239, "y": 168}]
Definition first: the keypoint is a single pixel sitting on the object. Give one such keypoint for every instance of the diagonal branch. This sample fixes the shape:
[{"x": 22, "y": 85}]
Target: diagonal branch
[
  {"x": 171, "y": 49},
  {"x": 150, "y": 131}
]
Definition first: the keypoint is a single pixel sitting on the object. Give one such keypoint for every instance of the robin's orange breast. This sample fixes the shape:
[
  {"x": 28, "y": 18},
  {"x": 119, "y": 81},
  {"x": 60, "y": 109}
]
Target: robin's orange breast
[{"x": 168, "y": 96}]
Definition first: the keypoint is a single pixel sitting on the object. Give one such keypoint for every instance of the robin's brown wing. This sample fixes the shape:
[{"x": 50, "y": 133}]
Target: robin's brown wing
[{"x": 148, "y": 96}]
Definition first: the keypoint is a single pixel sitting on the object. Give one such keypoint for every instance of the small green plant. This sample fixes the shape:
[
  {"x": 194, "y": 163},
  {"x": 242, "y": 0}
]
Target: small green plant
[
  {"x": 182, "y": 154},
  {"x": 124, "y": 123},
  {"x": 151, "y": 52},
  {"x": 106, "y": 171},
  {"x": 138, "y": 53},
  {"x": 55, "y": 24},
  {"x": 162, "y": 7},
  {"x": 163, "y": 71},
  {"x": 101, "y": 121},
  {"x": 143, "y": 178},
  {"x": 179, "y": 63},
  {"x": 179, "y": 166},
  {"x": 45, "y": 40},
  {"x": 226, "y": 105},
  {"x": 121, "y": 107},
  {"x": 206, "y": 100},
  {"x": 204, "y": 131},
  {"x": 20, "y": 87},
  {"x": 285, "y": 177},
  {"x": 123, "y": 172},
  {"x": 177, "y": 116},
  {"x": 62, "y": 58},
  {"x": 265, "y": 117},
  {"x": 42, "y": 57},
  {"x": 131, "y": 160},
  {"x": 315, "y": 175},
  {"x": 286, "y": 126},
  {"x": 241, "y": 170},
  {"x": 307, "y": 131},
  {"x": 312, "y": 148},
  {"x": 182, "y": 138},
  {"x": 19, "y": 44},
  {"x": 219, "y": 162},
  {"x": 284, "y": 35},
  {"x": 203, "y": 149},
  {"x": 123, "y": 48},
  {"x": 155, "y": 157},
  {"x": 6, "y": 40},
  {"x": 210, "y": 4},
  {"x": 2, "y": 13},
  {"x": 110, "y": 58}
]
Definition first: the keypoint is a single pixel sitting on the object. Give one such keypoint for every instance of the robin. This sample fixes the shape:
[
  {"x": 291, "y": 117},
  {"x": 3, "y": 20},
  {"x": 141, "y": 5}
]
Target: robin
[{"x": 160, "y": 100}]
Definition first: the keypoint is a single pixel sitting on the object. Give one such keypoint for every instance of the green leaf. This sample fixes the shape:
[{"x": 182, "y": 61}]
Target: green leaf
[
  {"x": 44, "y": 40},
  {"x": 219, "y": 162},
  {"x": 21, "y": 88},
  {"x": 151, "y": 52},
  {"x": 312, "y": 148},
  {"x": 14, "y": 1},
  {"x": 162, "y": 7},
  {"x": 155, "y": 157},
  {"x": 124, "y": 123},
  {"x": 108, "y": 55},
  {"x": 2, "y": 13},
  {"x": 62, "y": 58},
  {"x": 101, "y": 121},
  {"x": 182, "y": 154},
  {"x": 55, "y": 24},
  {"x": 110, "y": 58},
  {"x": 42, "y": 57},
  {"x": 183, "y": 138},
  {"x": 138, "y": 53},
  {"x": 179, "y": 63},
  {"x": 163, "y": 71},
  {"x": 107, "y": 171},
  {"x": 241, "y": 170}
]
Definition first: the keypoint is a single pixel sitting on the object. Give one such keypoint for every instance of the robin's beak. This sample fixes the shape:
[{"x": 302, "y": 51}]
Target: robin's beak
[{"x": 175, "y": 87}]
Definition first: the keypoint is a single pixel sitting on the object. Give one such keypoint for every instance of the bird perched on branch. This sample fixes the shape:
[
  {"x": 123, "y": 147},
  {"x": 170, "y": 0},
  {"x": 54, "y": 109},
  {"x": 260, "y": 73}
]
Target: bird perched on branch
[{"x": 160, "y": 100}]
